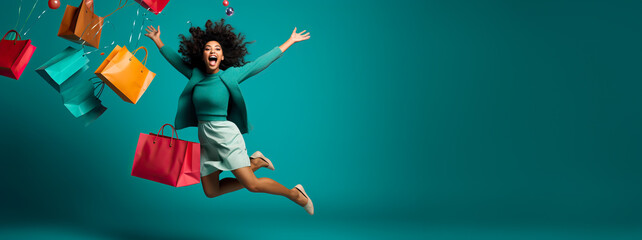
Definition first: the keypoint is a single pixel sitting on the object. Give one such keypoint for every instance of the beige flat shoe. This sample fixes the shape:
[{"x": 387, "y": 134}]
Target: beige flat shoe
[
  {"x": 258, "y": 154},
  {"x": 308, "y": 206}
]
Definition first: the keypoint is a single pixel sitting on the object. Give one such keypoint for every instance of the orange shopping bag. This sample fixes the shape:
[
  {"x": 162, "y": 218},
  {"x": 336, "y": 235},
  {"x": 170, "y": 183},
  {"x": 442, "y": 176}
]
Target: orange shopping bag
[
  {"x": 124, "y": 74},
  {"x": 81, "y": 25}
]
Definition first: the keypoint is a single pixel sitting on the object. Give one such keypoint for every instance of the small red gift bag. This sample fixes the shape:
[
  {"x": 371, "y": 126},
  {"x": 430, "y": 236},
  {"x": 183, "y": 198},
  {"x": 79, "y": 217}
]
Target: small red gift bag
[
  {"x": 155, "y": 6},
  {"x": 15, "y": 55}
]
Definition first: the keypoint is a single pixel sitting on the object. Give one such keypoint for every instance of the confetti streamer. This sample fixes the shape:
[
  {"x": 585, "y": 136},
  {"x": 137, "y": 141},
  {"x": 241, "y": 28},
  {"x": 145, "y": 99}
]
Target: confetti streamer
[
  {"x": 105, "y": 47},
  {"x": 28, "y": 16},
  {"x": 18, "y": 19},
  {"x": 83, "y": 33},
  {"x": 39, "y": 16},
  {"x": 142, "y": 24},
  {"x": 144, "y": 18},
  {"x": 134, "y": 26}
]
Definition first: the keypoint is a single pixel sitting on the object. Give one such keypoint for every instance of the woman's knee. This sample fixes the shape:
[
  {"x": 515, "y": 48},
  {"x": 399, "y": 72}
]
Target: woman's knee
[
  {"x": 247, "y": 179},
  {"x": 210, "y": 194},
  {"x": 253, "y": 187},
  {"x": 211, "y": 184}
]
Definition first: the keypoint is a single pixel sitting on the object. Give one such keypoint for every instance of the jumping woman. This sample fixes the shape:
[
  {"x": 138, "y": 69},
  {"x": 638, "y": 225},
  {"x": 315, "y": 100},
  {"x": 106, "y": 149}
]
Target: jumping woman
[{"x": 213, "y": 62}]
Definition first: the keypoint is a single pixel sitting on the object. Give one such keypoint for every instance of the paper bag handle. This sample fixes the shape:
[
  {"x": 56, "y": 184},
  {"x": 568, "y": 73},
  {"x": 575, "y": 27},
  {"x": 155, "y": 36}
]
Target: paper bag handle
[
  {"x": 98, "y": 84},
  {"x": 144, "y": 59},
  {"x": 18, "y": 37},
  {"x": 119, "y": 7},
  {"x": 91, "y": 6},
  {"x": 161, "y": 132}
]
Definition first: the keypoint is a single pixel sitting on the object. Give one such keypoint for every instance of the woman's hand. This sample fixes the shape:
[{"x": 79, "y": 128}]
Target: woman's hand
[
  {"x": 154, "y": 35},
  {"x": 295, "y": 37}
]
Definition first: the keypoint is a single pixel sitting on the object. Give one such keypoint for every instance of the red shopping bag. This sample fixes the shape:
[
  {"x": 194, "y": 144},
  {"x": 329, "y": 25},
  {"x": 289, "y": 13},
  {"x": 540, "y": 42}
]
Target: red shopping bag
[
  {"x": 155, "y": 6},
  {"x": 167, "y": 160},
  {"x": 14, "y": 55}
]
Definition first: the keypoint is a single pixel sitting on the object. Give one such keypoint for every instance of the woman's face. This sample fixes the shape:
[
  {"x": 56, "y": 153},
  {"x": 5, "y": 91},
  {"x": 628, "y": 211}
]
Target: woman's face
[{"x": 212, "y": 56}]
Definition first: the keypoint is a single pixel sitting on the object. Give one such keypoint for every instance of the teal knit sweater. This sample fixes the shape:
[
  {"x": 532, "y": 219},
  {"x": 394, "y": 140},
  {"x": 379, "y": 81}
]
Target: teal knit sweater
[{"x": 211, "y": 98}]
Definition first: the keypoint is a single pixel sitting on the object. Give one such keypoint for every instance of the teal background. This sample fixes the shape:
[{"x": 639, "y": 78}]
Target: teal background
[{"x": 402, "y": 119}]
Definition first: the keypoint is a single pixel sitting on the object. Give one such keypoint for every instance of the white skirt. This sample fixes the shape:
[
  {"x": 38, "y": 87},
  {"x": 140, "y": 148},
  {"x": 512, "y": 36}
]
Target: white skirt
[{"x": 222, "y": 147}]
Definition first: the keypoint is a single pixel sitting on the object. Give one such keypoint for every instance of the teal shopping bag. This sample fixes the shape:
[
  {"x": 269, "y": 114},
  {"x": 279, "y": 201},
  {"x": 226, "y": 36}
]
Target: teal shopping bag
[
  {"x": 79, "y": 98},
  {"x": 63, "y": 66},
  {"x": 92, "y": 115}
]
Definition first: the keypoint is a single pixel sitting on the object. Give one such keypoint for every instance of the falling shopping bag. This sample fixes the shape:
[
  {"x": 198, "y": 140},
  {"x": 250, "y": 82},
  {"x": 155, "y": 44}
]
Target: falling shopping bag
[
  {"x": 81, "y": 25},
  {"x": 167, "y": 160},
  {"x": 124, "y": 74},
  {"x": 92, "y": 115},
  {"x": 79, "y": 98},
  {"x": 155, "y": 6},
  {"x": 62, "y": 66},
  {"x": 14, "y": 55}
]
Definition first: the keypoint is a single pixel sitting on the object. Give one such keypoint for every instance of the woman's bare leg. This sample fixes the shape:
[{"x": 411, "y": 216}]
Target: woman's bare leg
[
  {"x": 212, "y": 187},
  {"x": 266, "y": 185}
]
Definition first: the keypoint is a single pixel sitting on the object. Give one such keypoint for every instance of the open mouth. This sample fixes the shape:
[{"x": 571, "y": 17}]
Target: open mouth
[{"x": 212, "y": 60}]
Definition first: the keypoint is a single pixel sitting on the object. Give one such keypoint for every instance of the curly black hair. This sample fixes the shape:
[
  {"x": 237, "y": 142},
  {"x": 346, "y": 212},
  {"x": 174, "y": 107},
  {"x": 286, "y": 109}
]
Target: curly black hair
[{"x": 233, "y": 45}]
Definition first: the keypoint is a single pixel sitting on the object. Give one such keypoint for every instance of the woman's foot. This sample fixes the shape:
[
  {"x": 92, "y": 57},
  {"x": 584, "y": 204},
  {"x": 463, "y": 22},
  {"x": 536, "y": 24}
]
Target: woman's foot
[
  {"x": 303, "y": 199},
  {"x": 261, "y": 161},
  {"x": 258, "y": 162},
  {"x": 300, "y": 198}
]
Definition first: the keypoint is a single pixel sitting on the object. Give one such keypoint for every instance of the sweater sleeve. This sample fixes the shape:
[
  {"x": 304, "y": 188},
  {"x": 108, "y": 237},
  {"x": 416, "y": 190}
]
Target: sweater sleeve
[
  {"x": 176, "y": 61},
  {"x": 252, "y": 68}
]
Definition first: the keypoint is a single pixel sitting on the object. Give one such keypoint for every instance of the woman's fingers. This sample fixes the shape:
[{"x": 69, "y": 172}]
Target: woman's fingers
[
  {"x": 152, "y": 32},
  {"x": 303, "y": 35},
  {"x": 150, "y": 29}
]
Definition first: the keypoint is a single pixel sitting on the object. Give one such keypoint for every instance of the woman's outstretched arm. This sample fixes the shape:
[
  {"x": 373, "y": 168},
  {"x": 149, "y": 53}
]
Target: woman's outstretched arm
[
  {"x": 295, "y": 37},
  {"x": 258, "y": 65},
  {"x": 154, "y": 35},
  {"x": 169, "y": 54}
]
